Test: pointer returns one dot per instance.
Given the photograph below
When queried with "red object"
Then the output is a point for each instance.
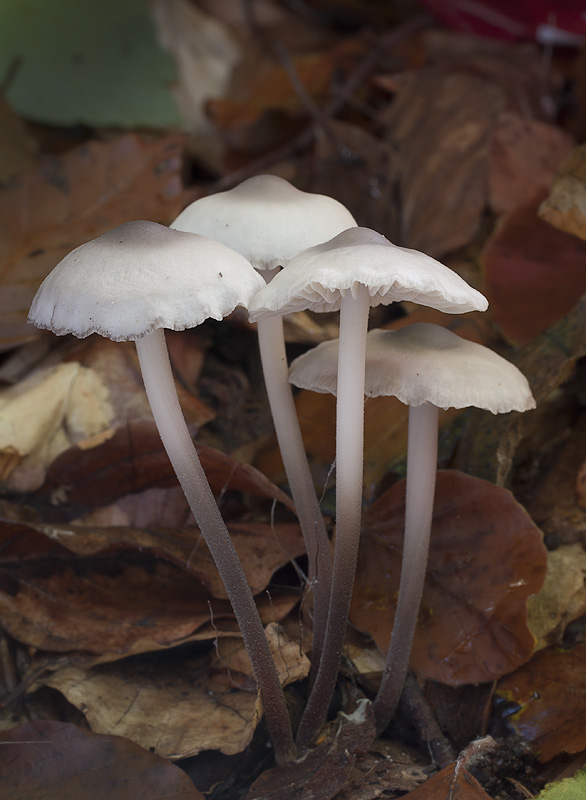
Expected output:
(561, 22)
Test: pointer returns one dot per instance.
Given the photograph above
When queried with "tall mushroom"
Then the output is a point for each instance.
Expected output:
(269, 221)
(357, 269)
(130, 284)
(427, 367)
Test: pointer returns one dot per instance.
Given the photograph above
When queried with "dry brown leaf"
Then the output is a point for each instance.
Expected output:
(133, 459)
(562, 598)
(262, 548)
(67, 200)
(177, 709)
(550, 698)
(534, 273)
(553, 501)
(118, 603)
(205, 52)
(441, 125)
(43, 416)
(56, 760)
(452, 783)
(565, 208)
(525, 155)
(486, 558)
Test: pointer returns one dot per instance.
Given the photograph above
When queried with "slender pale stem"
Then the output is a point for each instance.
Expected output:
(160, 388)
(276, 375)
(349, 470)
(421, 475)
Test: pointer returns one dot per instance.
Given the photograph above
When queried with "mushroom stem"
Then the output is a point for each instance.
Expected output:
(271, 342)
(421, 475)
(354, 312)
(160, 388)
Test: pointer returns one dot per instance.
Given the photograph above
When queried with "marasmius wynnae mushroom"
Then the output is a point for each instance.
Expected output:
(130, 284)
(269, 221)
(427, 367)
(357, 269)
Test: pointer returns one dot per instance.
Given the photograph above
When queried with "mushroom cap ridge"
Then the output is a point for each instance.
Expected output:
(317, 278)
(423, 363)
(267, 219)
(139, 277)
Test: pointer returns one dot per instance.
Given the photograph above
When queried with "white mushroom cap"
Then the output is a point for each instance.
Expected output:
(423, 363)
(266, 219)
(140, 277)
(318, 277)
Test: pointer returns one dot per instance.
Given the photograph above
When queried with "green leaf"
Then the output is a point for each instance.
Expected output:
(568, 789)
(98, 64)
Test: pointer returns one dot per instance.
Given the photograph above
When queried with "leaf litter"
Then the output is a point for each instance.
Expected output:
(105, 586)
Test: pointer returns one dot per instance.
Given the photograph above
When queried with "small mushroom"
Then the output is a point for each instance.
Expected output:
(269, 221)
(130, 284)
(426, 367)
(357, 269)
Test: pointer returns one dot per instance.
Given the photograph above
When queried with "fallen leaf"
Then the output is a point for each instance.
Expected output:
(549, 697)
(262, 548)
(562, 598)
(103, 68)
(108, 607)
(525, 155)
(440, 125)
(568, 789)
(450, 784)
(488, 451)
(177, 708)
(133, 459)
(117, 365)
(565, 207)
(56, 760)
(67, 200)
(205, 52)
(533, 273)
(486, 558)
(43, 416)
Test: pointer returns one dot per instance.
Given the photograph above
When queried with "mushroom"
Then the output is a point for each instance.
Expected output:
(357, 269)
(130, 284)
(269, 221)
(427, 367)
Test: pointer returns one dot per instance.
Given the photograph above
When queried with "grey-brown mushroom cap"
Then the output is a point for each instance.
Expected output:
(423, 363)
(266, 219)
(317, 278)
(139, 277)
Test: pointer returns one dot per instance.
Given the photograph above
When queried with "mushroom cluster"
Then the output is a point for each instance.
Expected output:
(137, 280)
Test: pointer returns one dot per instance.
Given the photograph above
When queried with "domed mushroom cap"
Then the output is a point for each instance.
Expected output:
(266, 219)
(140, 277)
(318, 277)
(423, 363)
